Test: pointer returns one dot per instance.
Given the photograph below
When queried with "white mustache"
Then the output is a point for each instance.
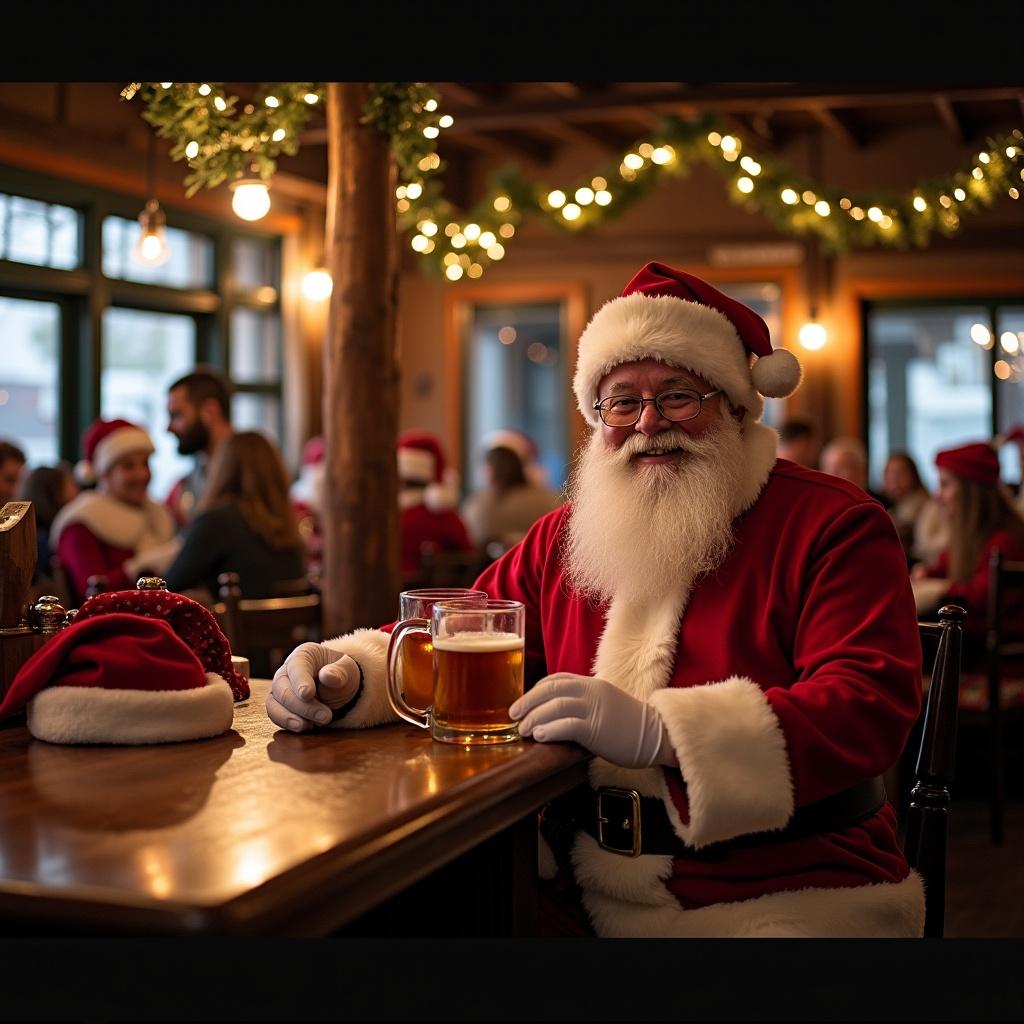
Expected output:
(636, 444)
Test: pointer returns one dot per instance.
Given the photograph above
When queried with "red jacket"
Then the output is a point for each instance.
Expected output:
(418, 526)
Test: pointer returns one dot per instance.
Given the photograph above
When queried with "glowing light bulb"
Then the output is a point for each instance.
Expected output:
(419, 243)
(919, 204)
(446, 121)
(812, 336)
(429, 228)
(279, 135)
(602, 197)
(745, 184)
(166, 85)
(507, 230)
(250, 199)
(714, 138)
(570, 211)
(459, 241)
(472, 231)
(789, 197)
(728, 144)
(645, 149)
(661, 155)
(496, 251)
(809, 197)
(414, 190)
(431, 132)
(475, 270)
(634, 161)
(430, 105)
(584, 195)
(980, 335)
(204, 90)
(151, 248)
(272, 101)
(750, 166)
(983, 158)
(487, 239)
(821, 208)
(598, 184)
(959, 194)
(1010, 342)
(317, 285)
(454, 272)
(945, 201)
(857, 213)
(311, 97)
(875, 214)
(218, 102)
(502, 203)
(1002, 369)
(977, 174)
(556, 198)
(192, 150)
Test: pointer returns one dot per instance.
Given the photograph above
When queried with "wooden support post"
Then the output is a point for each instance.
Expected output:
(361, 376)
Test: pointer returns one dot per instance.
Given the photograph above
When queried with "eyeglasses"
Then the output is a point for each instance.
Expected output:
(675, 406)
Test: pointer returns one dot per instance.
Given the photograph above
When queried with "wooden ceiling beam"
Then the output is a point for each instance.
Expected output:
(841, 125)
(517, 145)
(951, 119)
(766, 97)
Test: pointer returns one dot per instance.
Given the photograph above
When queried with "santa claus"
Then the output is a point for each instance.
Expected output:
(732, 635)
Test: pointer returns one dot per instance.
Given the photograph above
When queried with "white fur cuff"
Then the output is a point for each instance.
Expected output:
(732, 754)
(369, 647)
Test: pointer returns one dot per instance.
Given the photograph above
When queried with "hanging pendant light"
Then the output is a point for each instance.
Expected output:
(151, 248)
(250, 197)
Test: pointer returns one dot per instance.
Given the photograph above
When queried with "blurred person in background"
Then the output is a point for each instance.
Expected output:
(199, 416)
(307, 494)
(427, 500)
(919, 520)
(509, 504)
(115, 530)
(798, 442)
(12, 465)
(245, 523)
(847, 458)
(49, 488)
(981, 517)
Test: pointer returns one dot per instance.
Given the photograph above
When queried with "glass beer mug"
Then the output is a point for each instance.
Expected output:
(416, 662)
(477, 670)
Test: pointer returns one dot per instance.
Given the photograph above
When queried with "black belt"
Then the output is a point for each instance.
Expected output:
(623, 821)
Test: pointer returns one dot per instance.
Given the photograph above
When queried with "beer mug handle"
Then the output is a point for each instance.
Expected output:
(395, 697)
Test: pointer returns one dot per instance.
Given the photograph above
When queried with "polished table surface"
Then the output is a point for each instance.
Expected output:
(257, 831)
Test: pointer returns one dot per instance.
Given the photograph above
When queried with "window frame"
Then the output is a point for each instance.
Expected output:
(84, 293)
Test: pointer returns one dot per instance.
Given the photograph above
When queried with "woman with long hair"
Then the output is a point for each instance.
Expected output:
(919, 520)
(245, 523)
(981, 517)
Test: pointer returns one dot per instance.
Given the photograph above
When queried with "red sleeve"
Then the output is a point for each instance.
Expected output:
(856, 656)
(973, 593)
(83, 555)
(939, 569)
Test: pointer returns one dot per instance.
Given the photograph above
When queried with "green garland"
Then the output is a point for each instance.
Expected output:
(222, 144)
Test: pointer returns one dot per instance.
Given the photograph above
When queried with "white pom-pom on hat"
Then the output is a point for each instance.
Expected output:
(777, 375)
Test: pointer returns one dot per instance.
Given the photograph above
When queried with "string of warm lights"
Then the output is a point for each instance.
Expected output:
(220, 144)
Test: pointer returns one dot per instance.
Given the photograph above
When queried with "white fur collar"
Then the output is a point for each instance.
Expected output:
(132, 527)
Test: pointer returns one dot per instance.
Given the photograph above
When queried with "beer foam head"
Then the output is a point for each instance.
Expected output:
(478, 642)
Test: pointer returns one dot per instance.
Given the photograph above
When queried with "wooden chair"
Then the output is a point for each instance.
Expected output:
(990, 696)
(265, 630)
(928, 815)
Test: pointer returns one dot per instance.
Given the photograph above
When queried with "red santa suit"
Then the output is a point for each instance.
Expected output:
(790, 674)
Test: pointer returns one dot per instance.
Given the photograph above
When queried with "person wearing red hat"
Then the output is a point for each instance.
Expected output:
(115, 530)
(427, 498)
(307, 495)
(981, 518)
(733, 636)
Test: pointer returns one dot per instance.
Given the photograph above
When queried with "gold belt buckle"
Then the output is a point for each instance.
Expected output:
(626, 818)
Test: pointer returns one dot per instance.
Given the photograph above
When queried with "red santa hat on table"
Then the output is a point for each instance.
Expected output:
(106, 441)
(977, 462)
(673, 316)
(421, 461)
(119, 678)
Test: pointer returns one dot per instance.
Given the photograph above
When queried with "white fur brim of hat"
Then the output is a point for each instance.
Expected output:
(97, 714)
(119, 444)
(684, 334)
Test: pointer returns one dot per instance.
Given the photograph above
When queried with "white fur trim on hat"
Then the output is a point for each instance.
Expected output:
(685, 334)
(96, 714)
(416, 464)
(369, 648)
(116, 445)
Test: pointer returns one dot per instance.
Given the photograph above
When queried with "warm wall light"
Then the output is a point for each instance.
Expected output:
(151, 248)
(813, 336)
(250, 198)
(317, 285)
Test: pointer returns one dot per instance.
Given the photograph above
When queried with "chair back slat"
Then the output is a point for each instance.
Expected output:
(928, 814)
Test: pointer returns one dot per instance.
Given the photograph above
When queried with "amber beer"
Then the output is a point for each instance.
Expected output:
(477, 676)
(477, 672)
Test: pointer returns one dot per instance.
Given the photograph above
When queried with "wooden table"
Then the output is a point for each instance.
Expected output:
(263, 832)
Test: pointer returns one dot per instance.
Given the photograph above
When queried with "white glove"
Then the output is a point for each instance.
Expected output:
(597, 715)
(311, 684)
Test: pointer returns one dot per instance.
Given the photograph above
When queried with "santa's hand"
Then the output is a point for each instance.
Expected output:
(312, 683)
(597, 715)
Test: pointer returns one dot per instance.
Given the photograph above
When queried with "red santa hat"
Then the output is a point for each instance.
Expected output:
(313, 451)
(673, 316)
(421, 461)
(977, 462)
(106, 441)
(119, 678)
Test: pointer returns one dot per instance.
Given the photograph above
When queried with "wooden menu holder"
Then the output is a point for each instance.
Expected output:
(19, 639)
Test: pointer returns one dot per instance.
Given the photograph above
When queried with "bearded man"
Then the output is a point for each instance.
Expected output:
(731, 635)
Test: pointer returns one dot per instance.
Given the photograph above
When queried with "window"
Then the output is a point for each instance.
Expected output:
(514, 380)
(143, 353)
(190, 264)
(43, 234)
(765, 299)
(155, 325)
(941, 375)
(29, 373)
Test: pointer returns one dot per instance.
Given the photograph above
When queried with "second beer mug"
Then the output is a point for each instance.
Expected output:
(477, 671)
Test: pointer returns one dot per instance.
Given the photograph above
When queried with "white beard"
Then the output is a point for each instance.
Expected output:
(637, 531)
